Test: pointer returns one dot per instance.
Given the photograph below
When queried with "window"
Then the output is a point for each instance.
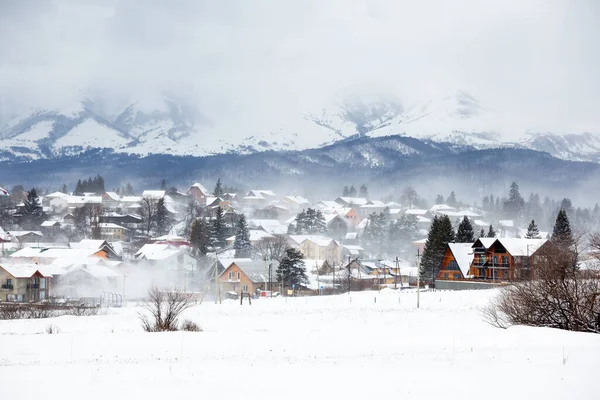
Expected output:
(445, 276)
(245, 288)
(495, 261)
(453, 265)
(504, 260)
(230, 275)
(239, 276)
(456, 276)
(42, 283)
(9, 282)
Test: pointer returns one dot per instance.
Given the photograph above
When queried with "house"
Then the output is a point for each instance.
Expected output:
(198, 193)
(505, 258)
(167, 256)
(256, 235)
(153, 194)
(111, 201)
(23, 283)
(47, 255)
(50, 228)
(456, 262)
(296, 203)
(318, 248)
(248, 276)
(75, 202)
(351, 238)
(272, 226)
(129, 221)
(26, 236)
(110, 250)
(112, 232)
(336, 225)
(259, 197)
(370, 207)
(83, 278)
(350, 215)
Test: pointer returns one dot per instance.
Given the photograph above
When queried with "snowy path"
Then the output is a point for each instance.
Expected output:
(299, 348)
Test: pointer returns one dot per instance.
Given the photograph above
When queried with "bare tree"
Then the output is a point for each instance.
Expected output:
(164, 307)
(560, 296)
(271, 248)
(149, 209)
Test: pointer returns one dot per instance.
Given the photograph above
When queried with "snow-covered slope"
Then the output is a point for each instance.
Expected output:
(171, 127)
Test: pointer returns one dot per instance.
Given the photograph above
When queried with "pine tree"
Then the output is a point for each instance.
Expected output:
(363, 191)
(439, 199)
(63, 189)
(515, 204)
(162, 218)
(561, 234)
(33, 213)
(163, 184)
(352, 191)
(218, 231)
(310, 222)
(291, 271)
(491, 232)
(346, 191)
(451, 201)
(218, 190)
(532, 231)
(440, 234)
(375, 233)
(242, 245)
(129, 190)
(482, 233)
(199, 236)
(465, 233)
(78, 188)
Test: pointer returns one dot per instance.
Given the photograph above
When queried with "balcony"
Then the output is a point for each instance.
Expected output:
(7, 286)
(33, 286)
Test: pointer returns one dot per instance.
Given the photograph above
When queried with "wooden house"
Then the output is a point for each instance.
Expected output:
(247, 276)
(456, 262)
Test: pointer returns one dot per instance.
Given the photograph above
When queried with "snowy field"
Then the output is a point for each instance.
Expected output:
(299, 348)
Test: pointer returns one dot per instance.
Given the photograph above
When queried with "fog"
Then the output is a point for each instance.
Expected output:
(535, 61)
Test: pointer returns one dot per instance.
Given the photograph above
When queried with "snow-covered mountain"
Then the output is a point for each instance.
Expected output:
(172, 127)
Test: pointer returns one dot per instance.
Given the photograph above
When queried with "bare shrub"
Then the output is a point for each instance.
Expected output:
(83, 311)
(560, 296)
(190, 326)
(52, 329)
(163, 308)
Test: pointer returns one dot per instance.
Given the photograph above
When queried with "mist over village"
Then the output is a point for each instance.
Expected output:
(358, 199)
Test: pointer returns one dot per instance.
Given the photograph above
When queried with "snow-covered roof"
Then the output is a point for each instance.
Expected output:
(84, 199)
(353, 250)
(297, 200)
(486, 242)
(272, 226)
(255, 235)
(23, 233)
(260, 192)
(321, 241)
(131, 199)
(463, 254)
(521, 247)
(3, 192)
(374, 204)
(46, 224)
(157, 251)
(38, 252)
(416, 211)
(359, 201)
(481, 223)
(328, 204)
(351, 235)
(113, 196)
(110, 225)
(22, 270)
(199, 186)
(256, 271)
(441, 207)
(154, 194)
(57, 195)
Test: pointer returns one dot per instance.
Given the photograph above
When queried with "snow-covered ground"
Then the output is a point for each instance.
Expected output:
(367, 345)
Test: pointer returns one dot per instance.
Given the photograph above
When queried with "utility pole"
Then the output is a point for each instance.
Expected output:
(397, 273)
(418, 277)
(318, 282)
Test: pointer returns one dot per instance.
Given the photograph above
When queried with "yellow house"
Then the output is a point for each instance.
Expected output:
(23, 283)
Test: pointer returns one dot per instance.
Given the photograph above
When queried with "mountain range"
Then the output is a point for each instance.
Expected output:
(175, 128)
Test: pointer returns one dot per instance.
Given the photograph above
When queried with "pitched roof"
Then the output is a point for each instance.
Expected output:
(113, 196)
(22, 270)
(256, 271)
(154, 194)
(463, 254)
(199, 186)
(46, 224)
(359, 201)
(521, 247)
(296, 199)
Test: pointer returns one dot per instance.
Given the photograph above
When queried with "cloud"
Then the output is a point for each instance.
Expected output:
(535, 60)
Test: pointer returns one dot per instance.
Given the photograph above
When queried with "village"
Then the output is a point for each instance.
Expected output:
(107, 247)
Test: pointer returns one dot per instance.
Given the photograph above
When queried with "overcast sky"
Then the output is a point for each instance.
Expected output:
(538, 60)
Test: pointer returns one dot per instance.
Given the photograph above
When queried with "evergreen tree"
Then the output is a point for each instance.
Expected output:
(440, 234)
(199, 236)
(561, 234)
(63, 189)
(218, 230)
(78, 188)
(310, 222)
(515, 204)
(491, 232)
(532, 231)
(33, 213)
(439, 199)
(242, 245)
(566, 205)
(363, 191)
(163, 184)
(451, 200)
(465, 233)
(162, 218)
(291, 271)
(346, 191)
(218, 190)
(482, 233)
(352, 191)
(375, 233)
(129, 190)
